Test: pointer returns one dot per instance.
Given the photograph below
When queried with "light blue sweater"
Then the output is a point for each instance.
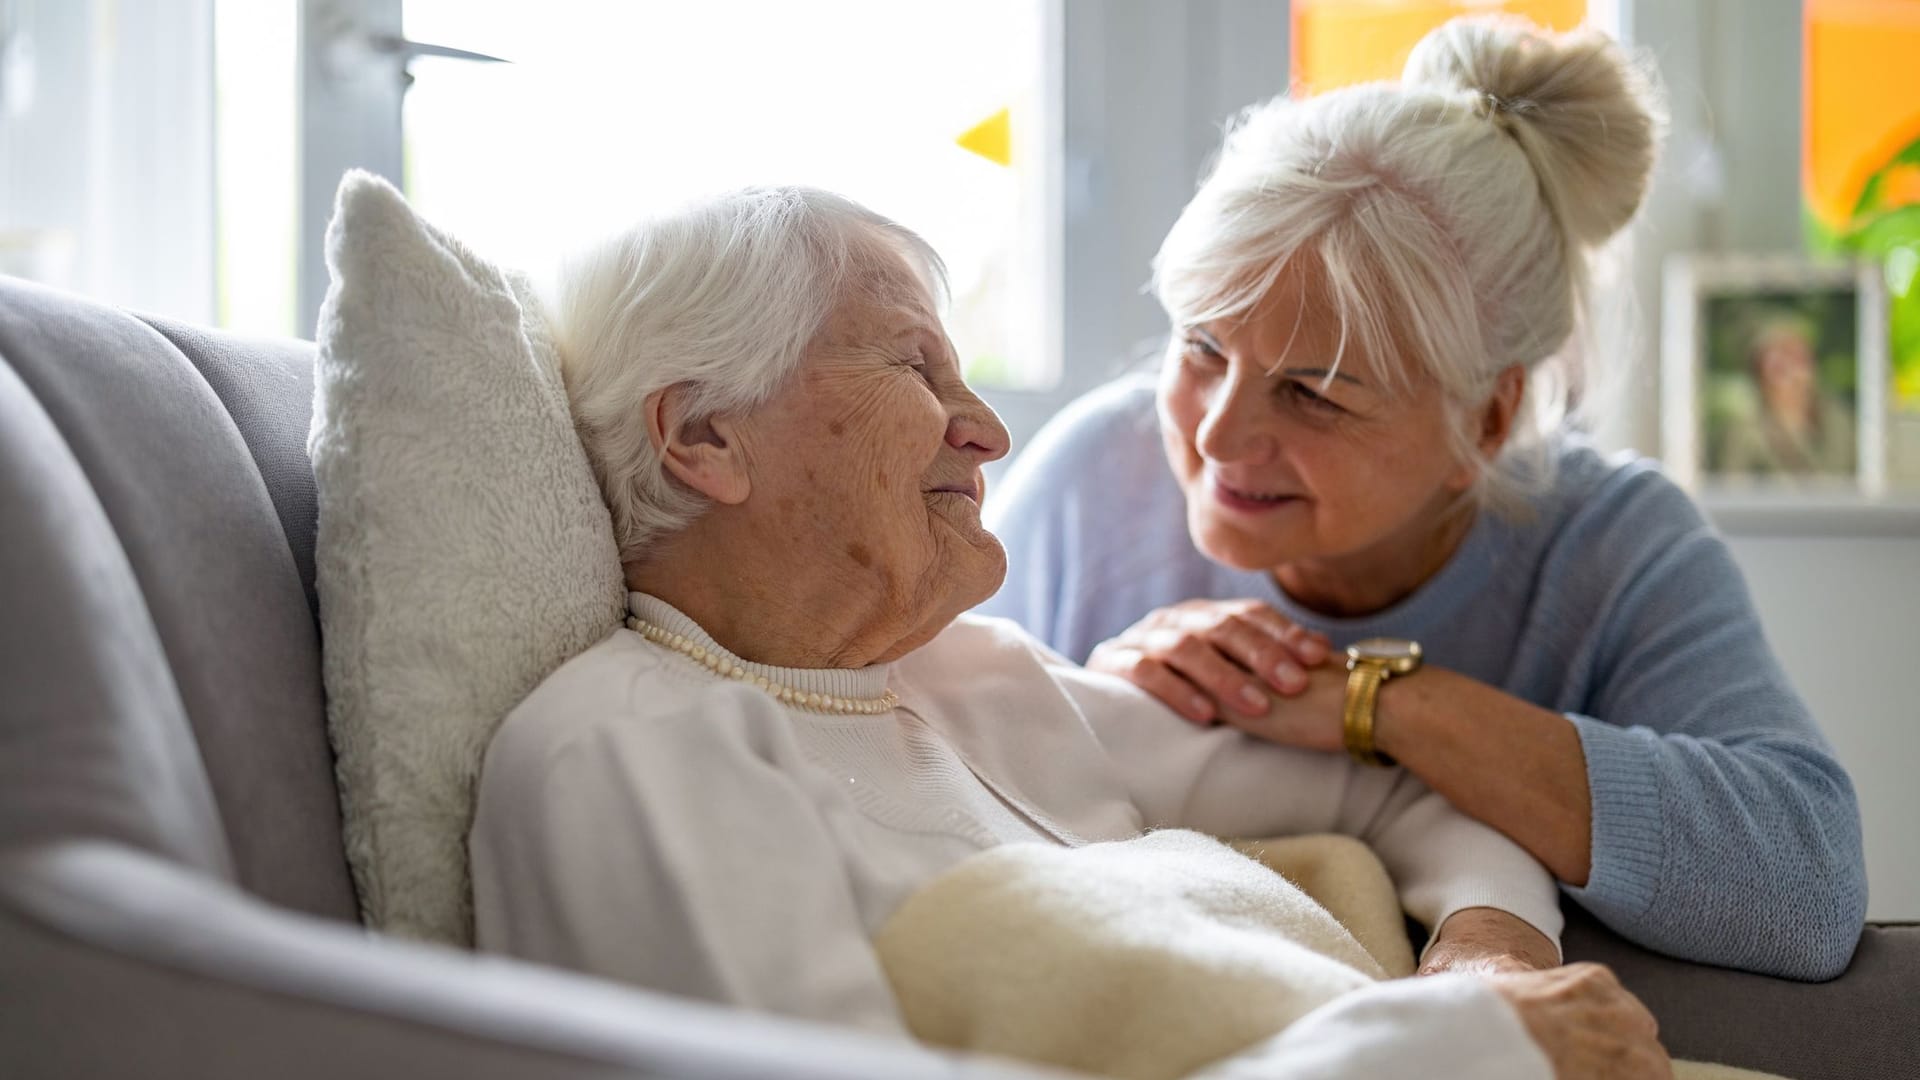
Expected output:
(1723, 829)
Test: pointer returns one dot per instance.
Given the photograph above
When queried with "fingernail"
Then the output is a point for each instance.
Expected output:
(1288, 676)
(1255, 701)
(1200, 710)
(1313, 650)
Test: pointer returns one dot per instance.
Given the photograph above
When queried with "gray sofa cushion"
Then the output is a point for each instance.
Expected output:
(201, 982)
(93, 739)
(208, 552)
(267, 386)
(1865, 1025)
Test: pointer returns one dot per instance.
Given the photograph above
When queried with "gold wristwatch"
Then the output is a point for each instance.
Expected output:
(1370, 663)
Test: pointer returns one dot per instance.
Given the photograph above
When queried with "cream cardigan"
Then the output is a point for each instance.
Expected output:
(644, 819)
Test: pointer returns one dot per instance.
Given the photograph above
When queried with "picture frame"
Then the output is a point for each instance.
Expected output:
(1774, 375)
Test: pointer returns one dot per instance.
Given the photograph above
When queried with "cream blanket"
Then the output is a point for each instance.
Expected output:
(1145, 959)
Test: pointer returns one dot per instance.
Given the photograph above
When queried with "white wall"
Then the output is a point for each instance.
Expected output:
(1841, 613)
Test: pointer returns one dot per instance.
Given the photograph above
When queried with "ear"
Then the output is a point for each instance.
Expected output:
(1497, 416)
(1494, 422)
(702, 452)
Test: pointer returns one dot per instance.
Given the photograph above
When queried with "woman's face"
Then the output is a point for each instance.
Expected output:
(869, 462)
(1783, 363)
(1281, 466)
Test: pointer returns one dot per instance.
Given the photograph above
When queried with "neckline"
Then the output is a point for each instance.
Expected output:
(857, 683)
(1464, 573)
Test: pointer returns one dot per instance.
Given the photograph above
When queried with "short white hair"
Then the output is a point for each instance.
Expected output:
(723, 295)
(1450, 217)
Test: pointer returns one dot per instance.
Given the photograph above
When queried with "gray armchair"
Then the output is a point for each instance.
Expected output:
(174, 899)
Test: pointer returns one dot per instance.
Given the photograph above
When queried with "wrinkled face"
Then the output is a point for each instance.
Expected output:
(870, 458)
(1281, 466)
(1784, 362)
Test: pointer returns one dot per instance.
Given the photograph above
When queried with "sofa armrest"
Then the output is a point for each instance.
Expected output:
(1863, 1025)
(119, 963)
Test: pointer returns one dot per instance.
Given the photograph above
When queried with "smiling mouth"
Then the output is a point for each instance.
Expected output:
(1252, 501)
(968, 490)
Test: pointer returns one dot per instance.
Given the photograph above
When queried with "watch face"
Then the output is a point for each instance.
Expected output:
(1397, 653)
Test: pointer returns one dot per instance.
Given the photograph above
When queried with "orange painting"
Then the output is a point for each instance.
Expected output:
(1862, 103)
(1341, 42)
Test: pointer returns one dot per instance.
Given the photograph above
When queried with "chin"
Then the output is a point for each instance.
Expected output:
(1237, 549)
(992, 572)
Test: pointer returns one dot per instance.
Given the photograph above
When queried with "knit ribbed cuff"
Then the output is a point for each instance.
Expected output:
(1629, 845)
(1541, 913)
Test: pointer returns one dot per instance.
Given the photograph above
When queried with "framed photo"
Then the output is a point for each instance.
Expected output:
(1774, 375)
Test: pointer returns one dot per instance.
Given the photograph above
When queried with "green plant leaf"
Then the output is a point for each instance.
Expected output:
(1870, 194)
(1880, 234)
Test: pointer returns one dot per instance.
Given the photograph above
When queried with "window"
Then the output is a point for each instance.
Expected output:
(927, 113)
(1340, 42)
(1861, 175)
(256, 222)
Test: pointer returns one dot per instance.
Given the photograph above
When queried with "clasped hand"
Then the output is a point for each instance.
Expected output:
(1238, 662)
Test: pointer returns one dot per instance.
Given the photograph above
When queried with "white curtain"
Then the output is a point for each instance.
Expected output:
(106, 150)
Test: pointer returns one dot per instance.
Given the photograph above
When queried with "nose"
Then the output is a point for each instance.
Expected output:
(1237, 425)
(974, 429)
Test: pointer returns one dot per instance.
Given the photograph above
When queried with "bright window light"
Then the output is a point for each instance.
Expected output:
(930, 114)
(256, 174)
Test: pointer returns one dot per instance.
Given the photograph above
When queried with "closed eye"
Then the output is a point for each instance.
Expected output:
(1295, 390)
(1199, 352)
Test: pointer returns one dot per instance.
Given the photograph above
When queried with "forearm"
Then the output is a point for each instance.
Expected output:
(1508, 763)
(1740, 853)
(1445, 865)
(1485, 941)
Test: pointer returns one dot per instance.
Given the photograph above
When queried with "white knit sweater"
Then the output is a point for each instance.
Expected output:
(644, 819)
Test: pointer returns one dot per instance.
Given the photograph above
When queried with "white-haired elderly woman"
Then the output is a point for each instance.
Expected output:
(799, 727)
(1358, 443)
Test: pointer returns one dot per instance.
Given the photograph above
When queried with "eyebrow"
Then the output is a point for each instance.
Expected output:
(1322, 374)
(1212, 342)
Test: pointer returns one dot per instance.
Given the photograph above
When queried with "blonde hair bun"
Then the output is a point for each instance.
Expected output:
(1587, 116)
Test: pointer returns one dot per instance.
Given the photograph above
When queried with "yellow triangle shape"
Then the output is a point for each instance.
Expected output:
(991, 138)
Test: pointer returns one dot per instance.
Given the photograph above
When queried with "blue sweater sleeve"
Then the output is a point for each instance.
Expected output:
(1724, 830)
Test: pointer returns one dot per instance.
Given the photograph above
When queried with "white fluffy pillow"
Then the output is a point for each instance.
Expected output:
(464, 551)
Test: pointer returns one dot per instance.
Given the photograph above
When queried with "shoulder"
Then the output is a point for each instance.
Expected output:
(1111, 430)
(976, 648)
(1119, 412)
(1612, 504)
(1614, 528)
(983, 662)
(621, 703)
(979, 656)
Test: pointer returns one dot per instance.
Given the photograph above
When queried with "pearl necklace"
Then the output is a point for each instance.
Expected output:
(725, 667)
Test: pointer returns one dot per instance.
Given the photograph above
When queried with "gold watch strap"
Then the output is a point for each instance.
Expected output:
(1363, 691)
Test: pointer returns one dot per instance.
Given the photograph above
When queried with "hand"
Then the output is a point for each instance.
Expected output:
(1587, 1023)
(1488, 941)
(1214, 659)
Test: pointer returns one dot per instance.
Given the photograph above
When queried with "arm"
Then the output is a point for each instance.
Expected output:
(675, 855)
(1457, 734)
(1217, 781)
(1698, 810)
(1690, 802)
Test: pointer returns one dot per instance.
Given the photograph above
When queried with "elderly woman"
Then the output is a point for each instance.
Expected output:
(798, 728)
(1358, 440)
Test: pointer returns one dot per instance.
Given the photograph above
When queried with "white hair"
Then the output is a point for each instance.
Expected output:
(1450, 217)
(723, 295)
